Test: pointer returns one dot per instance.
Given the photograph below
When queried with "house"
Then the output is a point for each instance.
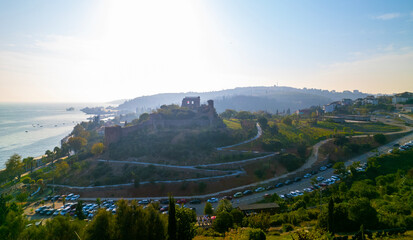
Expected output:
(402, 97)
(330, 107)
(370, 100)
(259, 207)
(302, 112)
(346, 102)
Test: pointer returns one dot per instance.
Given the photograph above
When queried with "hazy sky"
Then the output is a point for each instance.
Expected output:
(82, 50)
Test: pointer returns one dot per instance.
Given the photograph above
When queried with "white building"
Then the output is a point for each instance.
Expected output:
(329, 107)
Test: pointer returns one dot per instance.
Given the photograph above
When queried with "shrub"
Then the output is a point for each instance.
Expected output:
(380, 138)
(26, 180)
(286, 227)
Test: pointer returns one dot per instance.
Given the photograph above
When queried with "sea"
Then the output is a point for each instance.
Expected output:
(31, 129)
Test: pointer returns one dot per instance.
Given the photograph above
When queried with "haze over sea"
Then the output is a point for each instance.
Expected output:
(46, 124)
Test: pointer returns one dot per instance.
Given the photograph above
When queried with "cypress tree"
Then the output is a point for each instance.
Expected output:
(330, 222)
(171, 219)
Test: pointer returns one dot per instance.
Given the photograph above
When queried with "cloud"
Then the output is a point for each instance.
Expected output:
(388, 16)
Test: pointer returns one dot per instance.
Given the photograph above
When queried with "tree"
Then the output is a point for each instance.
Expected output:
(237, 216)
(208, 209)
(361, 212)
(273, 129)
(224, 205)
(28, 163)
(14, 166)
(186, 219)
(13, 226)
(155, 224)
(63, 228)
(172, 219)
(223, 222)
(97, 148)
(330, 220)
(229, 113)
(287, 121)
(79, 211)
(102, 227)
(57, 151)
(340, 169)
(263, 121)
(380, 138)
(261, 221)
(79, 131)
(76, 143)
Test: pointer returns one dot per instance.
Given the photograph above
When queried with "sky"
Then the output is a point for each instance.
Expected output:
(98, 51)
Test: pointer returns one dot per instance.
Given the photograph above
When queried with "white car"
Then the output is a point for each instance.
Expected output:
(307, 190)
(319, 179)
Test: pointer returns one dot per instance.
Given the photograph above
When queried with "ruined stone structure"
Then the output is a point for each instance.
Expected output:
(192, 103)
(204, 116)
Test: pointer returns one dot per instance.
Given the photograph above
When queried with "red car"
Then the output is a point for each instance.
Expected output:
(182, 201)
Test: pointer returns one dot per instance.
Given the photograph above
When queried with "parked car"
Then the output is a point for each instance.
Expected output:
(323, 168)
(247, 192)
(260, 189)
(144, 202)
(314, 172)
(319, 179)
(212, 200)
(308, 175)
(288, 182)
(182, 201)
(40, 209)
(238, 195)
(269, 187)
(278, 185)
(227, 197)
(195, 201)
(297, 179)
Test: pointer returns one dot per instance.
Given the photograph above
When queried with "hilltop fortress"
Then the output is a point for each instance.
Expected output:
(201, 116)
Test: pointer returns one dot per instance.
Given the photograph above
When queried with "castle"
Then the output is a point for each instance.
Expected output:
(203, 116)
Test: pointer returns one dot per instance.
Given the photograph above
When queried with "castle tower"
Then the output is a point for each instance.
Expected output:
(192, 103)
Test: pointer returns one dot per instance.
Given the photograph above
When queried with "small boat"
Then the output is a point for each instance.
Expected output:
(27, 131)
(70, 109)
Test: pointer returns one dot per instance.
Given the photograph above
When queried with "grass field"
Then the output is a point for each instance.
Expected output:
(233, 123)
(359, 126)
(289, 235)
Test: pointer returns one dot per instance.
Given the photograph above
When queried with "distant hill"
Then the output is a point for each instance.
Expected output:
(268, 99)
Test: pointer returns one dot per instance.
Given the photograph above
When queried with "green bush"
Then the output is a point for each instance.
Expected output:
(286, 227)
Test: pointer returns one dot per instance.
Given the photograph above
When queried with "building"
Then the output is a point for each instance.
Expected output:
(346, 102)
(329, 108)
(370, 100)
(259, 207)
(303, 112)
(192, 103)
(204, 115)
(402, 97)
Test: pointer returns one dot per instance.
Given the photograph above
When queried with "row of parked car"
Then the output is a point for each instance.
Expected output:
(63, 210)
(280, 184)
(89, 209)
(403, 147)
(69, 197)
(321, 183)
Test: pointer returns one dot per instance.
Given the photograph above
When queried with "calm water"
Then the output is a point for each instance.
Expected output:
(46, 125)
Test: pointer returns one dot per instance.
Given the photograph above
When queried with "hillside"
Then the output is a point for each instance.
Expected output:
(248, 98)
